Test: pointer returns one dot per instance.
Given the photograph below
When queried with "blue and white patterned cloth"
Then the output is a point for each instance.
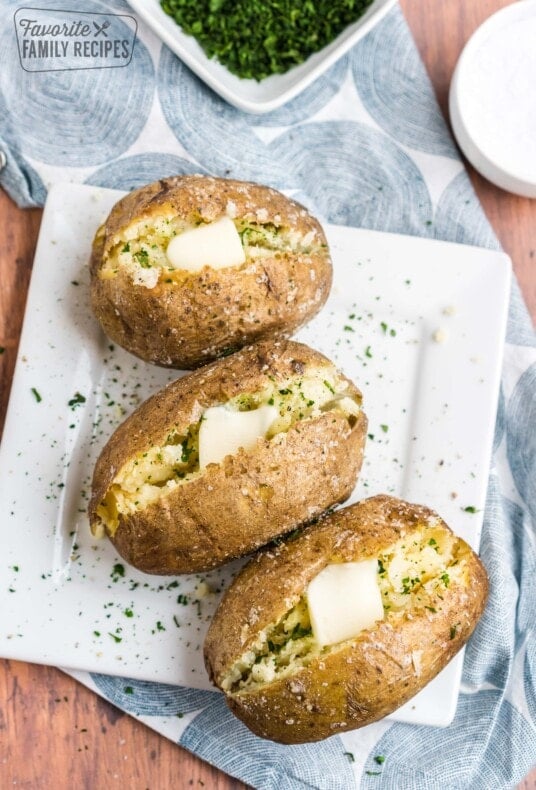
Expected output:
(365, 145)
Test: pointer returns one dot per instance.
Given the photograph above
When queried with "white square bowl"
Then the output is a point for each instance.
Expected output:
(250, 95)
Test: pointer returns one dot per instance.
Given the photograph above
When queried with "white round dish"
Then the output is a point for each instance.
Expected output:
(492, 99)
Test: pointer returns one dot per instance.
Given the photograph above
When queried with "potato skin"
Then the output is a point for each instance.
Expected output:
(223, 514)
(367, 679)
(187, 324)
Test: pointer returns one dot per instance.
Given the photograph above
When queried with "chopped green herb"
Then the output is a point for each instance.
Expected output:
(348, 328)
(470, 509)
(329, 387)
(126, 248)
(350, 756)
(381, 568)
(385, 329)
(431, 609)
(117, 571)
(128, 613)
(370, 436)
(76, 400)
(368, 352)
(128, 690)
(384, 428)
(36, 395)
(159, 626)
(432, 542)
(453, 630)
(408, 584)
(379, 759)
(254, 39)
(186, 451)
(445, 578)
(116, 638)
(96, 633)
(286, 391)
(299, 631)
(373, 773)
(142, 256)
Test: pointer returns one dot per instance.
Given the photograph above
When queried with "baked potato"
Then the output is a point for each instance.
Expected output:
(190, 268)
(229, 457)
(339, 626)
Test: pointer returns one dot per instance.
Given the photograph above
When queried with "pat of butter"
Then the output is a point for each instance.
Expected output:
(343, 599)
(223, 431)
(217, 245)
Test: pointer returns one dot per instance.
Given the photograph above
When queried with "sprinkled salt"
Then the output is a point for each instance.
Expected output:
(440, 336)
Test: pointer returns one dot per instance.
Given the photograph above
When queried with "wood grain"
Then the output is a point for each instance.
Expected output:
(57, 734)
(54, 733)
(18, 235)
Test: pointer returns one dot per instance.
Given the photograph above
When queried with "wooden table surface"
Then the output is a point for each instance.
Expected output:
(55, 733)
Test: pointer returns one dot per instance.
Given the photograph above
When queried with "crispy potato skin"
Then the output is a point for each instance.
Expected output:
(368, 678)
(223, 513)
(187, 324)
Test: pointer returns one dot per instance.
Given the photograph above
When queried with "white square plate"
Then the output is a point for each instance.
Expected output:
(250, 95)
(68, 599)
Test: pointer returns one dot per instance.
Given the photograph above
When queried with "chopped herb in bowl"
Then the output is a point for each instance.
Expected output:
(256, 38)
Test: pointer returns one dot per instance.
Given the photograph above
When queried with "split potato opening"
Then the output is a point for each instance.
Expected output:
(222, 430)
(406, 579)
